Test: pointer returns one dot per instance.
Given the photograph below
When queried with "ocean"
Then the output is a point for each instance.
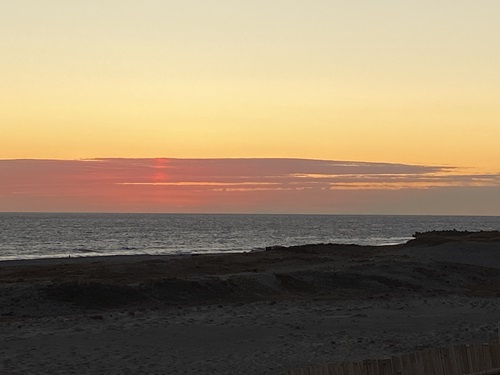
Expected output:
(50, 235)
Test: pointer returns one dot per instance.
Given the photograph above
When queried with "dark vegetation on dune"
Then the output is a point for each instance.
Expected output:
(380, 281)
(325, 271)
(444, 236)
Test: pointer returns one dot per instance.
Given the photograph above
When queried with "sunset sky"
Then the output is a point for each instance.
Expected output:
(250, 106)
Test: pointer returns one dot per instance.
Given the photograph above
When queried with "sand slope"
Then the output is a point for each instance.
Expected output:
(254, 313)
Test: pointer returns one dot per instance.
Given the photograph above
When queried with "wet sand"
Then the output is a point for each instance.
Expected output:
(252, 313)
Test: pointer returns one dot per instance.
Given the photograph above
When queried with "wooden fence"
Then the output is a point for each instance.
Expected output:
(477, 359)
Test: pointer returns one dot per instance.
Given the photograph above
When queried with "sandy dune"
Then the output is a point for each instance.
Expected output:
(254, 313)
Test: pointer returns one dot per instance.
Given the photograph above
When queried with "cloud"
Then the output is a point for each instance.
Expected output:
(204, 185)
(288, 173)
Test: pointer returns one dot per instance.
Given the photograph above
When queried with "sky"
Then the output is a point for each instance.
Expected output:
(250, 86)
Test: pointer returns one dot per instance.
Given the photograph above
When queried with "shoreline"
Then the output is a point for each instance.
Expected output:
(71, 257)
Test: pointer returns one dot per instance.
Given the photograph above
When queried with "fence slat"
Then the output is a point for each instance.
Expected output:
(495, 354)
(356, 369)
(397, 365)
(456, 361)
(324, 369)
(342, 369)
(337, 369)
(420, 363)
(471, 358)
(371, 367)
(479, 357)
(434, 360)
(486, 353)
(446, 361)
(415, 365)
(385, 366)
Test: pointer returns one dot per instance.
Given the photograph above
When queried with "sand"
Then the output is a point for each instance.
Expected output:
(254, 313)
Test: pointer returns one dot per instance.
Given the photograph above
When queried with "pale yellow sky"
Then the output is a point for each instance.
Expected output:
(394, 81)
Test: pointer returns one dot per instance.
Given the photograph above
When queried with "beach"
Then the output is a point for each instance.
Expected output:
(250, 313)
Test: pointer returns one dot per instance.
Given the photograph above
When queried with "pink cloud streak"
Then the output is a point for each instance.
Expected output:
(224, 185)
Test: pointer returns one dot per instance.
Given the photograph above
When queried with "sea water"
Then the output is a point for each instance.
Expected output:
(49, 235)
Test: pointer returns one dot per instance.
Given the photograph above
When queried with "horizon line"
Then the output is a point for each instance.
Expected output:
(232, 213)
